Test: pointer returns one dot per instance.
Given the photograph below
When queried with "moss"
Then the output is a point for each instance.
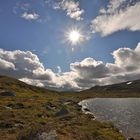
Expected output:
(35, 117)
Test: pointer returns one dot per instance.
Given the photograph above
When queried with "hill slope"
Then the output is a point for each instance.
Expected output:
(130, 86)
(34, 111)
(12, 84)
(121, 90)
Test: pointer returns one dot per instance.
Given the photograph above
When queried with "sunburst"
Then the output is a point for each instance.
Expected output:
(74, 36)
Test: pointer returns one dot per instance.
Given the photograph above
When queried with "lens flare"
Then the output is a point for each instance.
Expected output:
(74, 36)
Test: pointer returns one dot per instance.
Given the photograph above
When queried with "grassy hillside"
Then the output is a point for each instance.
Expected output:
(121, 90)
(130, 86)
(34, 110)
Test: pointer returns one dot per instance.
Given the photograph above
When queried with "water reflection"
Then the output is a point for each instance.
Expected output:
(123, 112)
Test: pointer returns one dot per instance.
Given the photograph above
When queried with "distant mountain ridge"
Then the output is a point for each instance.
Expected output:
(12, 84)
(8, 83)
(129, 86)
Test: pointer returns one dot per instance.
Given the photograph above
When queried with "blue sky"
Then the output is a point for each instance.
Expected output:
(40, 26)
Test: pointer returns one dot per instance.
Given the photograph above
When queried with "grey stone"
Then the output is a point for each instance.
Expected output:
(11, 94)
(16, 106)
(62, 112)
(52, 135)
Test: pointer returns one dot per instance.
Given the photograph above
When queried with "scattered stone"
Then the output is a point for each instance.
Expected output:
(66, 102)
(66, 118)
(50, 106)
(62, 112)
(52, 135)
(78, 107)
(34, 98)
(16, 106)
(5, 107)
(4, 125)
(86, 109)
(91, 116)
(38, 135)
(11, 94)
(42, 115)
(19, 125)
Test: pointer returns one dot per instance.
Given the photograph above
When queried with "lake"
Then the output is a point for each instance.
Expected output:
(123, 112)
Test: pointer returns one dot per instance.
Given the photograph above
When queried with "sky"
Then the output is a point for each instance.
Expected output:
(70, 44)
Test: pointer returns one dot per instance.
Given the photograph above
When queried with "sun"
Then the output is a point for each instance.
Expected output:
(74, 37)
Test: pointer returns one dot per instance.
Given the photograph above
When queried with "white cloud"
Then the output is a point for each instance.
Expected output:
(119, 15)
(71, 7)
(30, 16)
(125, 67)
(90, 68)
(6, 65)
(26, 66)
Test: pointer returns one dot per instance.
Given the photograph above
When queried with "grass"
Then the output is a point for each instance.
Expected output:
(34, 117)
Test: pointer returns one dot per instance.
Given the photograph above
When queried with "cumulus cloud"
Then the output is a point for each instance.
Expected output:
(90, 68)
(125, 67)
(26, 66)
(119, 15)
(71, 7)
(30, 16)
(6, 65)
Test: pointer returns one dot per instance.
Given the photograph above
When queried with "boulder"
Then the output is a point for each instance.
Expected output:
(52, 135)
(62, 112)
(66, 102)
(16, 106)
(50, 106)
(78, 107)
(4, 125)
(86, 109)
(11, 94)
(39, 135)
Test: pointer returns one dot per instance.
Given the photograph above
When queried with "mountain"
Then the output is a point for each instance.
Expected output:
(12, 84)
(121, 90)
(129, 86)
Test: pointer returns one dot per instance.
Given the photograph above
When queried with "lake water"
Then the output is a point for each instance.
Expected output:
(123, 112)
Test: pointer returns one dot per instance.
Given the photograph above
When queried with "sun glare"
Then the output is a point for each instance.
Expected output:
(74, 37)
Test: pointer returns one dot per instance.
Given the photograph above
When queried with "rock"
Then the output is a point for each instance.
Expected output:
(66, 118)
(52, 135)
(42, 115)
(11, 94)
(130, 139)
(66, 102)
(6, 107)
(4, 125)
(91, 116)
(39, 135)
(19, 125)
(62, 112)
(50, 106)
(16, 106)
(78, 107)
(86, 109)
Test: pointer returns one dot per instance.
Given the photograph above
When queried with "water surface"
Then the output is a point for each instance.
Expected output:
(123, 112)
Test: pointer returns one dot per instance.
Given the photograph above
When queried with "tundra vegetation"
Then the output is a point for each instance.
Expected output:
(33, 112)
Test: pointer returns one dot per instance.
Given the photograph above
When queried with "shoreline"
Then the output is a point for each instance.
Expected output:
(86, 110)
